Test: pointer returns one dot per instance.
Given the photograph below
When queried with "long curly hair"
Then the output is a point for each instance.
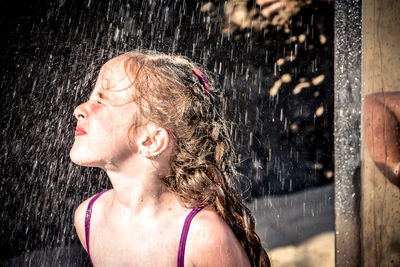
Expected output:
(168, 93)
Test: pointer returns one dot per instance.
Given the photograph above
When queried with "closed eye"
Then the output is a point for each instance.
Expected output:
(96, 101)
(98, 98)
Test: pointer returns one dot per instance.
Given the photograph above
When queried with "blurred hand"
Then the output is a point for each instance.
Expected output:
(381, 132)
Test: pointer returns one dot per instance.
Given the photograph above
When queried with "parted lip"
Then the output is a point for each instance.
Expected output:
(79, 131)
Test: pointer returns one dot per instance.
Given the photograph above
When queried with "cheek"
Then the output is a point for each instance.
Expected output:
(95, 109)
(118, 131)
(124, 121)
(111, 126)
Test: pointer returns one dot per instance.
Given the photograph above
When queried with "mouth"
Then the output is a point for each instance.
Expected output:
(79, 131)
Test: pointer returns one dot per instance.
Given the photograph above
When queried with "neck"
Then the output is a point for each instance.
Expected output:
(138, 188)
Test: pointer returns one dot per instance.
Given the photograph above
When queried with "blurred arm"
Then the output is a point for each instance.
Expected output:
(381, 129)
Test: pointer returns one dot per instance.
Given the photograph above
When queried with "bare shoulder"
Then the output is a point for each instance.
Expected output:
(79, 218)
(211, 242)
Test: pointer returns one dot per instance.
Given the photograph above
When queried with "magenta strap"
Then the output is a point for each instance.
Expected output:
(87, 220)
(185, 230)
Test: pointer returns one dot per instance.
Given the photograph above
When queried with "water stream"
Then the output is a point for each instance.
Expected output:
(278, 84)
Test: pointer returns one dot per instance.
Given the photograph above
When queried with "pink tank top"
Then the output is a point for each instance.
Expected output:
(182, 243)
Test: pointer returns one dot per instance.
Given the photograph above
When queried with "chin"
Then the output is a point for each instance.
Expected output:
(76, 158)
(81, 158)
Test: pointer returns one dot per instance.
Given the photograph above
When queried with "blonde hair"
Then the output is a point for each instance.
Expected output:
(168, 93)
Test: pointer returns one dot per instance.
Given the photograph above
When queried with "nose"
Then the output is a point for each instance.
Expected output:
(80, 112)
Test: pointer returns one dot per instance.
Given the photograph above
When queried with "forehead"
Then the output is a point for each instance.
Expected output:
(113, 70)
(113, 82)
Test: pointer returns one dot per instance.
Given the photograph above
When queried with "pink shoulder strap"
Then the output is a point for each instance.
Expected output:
(87, 220)
(185, 230)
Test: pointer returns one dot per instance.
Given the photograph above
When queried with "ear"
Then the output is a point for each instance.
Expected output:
(154, 141)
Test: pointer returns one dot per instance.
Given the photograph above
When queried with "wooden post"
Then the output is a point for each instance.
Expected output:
(380, 202)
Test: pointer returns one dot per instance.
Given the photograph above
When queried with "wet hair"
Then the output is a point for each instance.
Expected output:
(169, 93)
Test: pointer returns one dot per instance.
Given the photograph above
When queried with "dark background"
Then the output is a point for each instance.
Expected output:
(51, 52)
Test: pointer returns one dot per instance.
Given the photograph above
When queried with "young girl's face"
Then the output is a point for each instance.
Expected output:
(101, 136)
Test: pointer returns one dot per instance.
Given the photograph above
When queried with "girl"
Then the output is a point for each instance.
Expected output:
(153, 123)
